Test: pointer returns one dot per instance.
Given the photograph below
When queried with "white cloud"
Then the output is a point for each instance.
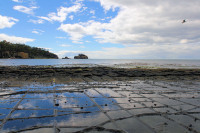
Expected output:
(184, 41)
(44, 18)
(84, 8)
(37, 31)
(92, 12)
(71, 17)
(18, 1)
(39, 21)
(14, 39)
(142, 52)
(142, 21)
(62, 13)
(61, 37)
(7, 22)
(146, 29)
(65, 45)
(27, 10)
(78, 31)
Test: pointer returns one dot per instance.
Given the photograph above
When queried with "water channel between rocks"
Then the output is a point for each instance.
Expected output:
(139, 106)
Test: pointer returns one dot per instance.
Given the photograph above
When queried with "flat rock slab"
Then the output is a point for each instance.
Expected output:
(109, 107)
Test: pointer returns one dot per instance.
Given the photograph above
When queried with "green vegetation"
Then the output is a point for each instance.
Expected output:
(10, 50)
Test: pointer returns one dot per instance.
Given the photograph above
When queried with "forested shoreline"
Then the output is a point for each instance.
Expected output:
(22, 51)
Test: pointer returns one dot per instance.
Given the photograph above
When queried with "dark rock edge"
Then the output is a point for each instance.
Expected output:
(105, 73)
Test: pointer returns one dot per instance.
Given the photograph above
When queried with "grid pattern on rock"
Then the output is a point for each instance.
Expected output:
(133, 106)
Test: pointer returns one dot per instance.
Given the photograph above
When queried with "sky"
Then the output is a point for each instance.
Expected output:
(105, 29)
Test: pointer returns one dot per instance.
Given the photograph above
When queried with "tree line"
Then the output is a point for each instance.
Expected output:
(10, 50)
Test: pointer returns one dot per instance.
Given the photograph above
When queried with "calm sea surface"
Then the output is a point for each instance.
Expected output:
(121, 63)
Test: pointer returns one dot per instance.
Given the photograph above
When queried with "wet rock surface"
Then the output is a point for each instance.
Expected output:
(97, 73)
(107, 107)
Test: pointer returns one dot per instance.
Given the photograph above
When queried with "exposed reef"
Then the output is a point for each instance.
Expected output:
(106, 73)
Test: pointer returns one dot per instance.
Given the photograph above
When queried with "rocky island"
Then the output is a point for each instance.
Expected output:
(22, 51)
(66, 57)
(81, 56)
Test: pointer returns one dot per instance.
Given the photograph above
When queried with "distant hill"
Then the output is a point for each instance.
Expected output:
(10, 50)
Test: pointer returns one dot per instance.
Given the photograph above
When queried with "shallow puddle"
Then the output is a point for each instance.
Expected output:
(106, 107)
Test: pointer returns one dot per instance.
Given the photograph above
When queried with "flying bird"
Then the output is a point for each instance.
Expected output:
(183, 21)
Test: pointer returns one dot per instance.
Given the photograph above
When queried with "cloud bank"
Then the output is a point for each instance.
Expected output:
(62, 13)
(24, 9)
(7, 22)
(14, 39)
(141, 21)
(145, 29)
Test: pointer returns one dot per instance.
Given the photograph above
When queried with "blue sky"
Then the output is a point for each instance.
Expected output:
(105, 29)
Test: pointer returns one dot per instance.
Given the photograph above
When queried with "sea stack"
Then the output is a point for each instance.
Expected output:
(81, 56)
(66, 57)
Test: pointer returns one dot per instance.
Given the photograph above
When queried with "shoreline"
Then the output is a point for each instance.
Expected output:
(83, 95)
(80, 74)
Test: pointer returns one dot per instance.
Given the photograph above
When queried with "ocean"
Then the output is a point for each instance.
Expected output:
(119, 63)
